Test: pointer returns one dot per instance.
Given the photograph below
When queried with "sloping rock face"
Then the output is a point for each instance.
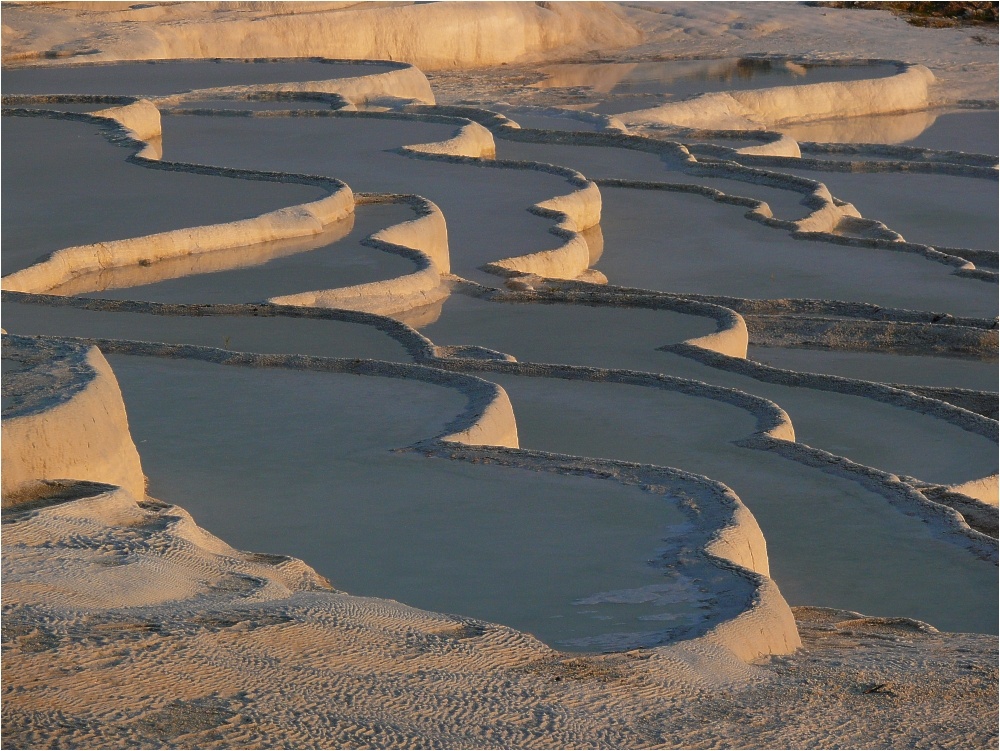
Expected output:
(432, 36)
(63, 417)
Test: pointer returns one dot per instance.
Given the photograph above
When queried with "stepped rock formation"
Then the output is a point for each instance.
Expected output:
(431, 36)
(614, 384)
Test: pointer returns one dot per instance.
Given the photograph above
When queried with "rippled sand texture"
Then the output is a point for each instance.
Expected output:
(653, 373)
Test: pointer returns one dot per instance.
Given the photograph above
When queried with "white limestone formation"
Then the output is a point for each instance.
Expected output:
(66, 420)
(906, 91)
(127, 624)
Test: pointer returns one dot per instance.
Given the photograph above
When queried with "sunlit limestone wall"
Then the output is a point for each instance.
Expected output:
(985, 489)
(783, 146)
(574, 212)
(581, 208)
(903, 92)
(427, 234)
(766, 626)
(732, 339)
(141, 119)
(432, 36)
(495, 425)
(472, 140)
(69, 422)
(425, 239)
(403, 82)
(64, 265)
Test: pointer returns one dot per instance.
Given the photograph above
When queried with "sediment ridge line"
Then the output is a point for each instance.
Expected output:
(486, 417)
(415, 343)
(898, 493)
(961, 418)
(793, 306)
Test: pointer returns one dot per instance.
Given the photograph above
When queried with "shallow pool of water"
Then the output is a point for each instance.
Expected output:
(830, 541)
(593, 161)
(974, 131)
(256, 273)
(274, 335)
(84, 107)
(890, 129)
(305, 467)
(971, 131)
(869, 432)
(559, 333)
(74, 187)
(547, 121)
(677, 242)
(486, 208)
(157, 78)
(884, 367)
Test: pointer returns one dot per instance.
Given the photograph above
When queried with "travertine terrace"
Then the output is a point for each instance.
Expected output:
(498, 375)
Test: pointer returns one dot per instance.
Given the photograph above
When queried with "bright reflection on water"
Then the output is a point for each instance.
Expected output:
(971, 131)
